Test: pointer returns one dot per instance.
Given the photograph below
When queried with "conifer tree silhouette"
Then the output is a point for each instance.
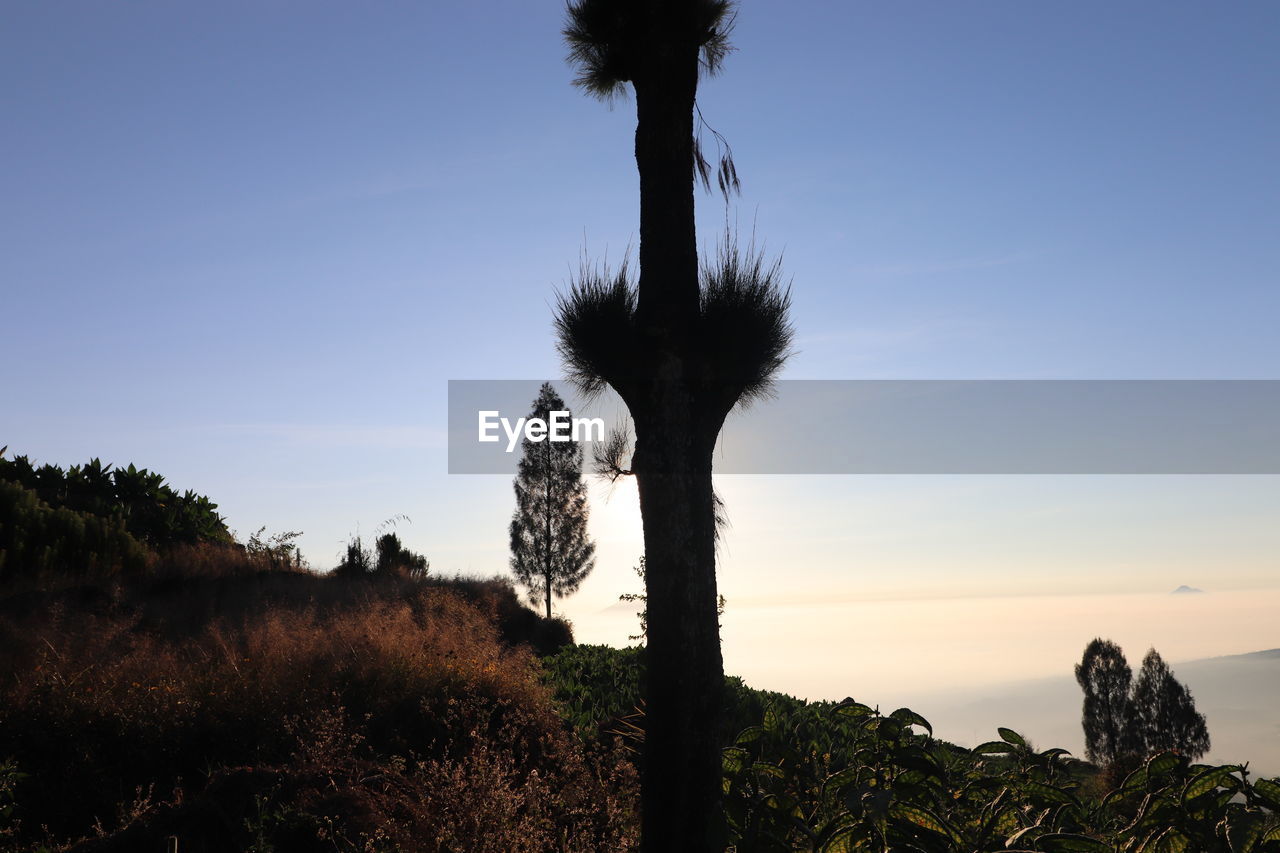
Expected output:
(551, 554)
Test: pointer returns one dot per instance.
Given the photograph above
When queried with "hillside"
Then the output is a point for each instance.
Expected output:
(285, 710)
(157, 682)
(289, 711)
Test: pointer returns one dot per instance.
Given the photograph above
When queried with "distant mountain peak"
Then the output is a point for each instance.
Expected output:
(1185, 589)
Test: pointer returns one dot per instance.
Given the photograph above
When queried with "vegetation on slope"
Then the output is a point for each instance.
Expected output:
(226, 695)
(842, 776)
(291, 711)
(140, 500)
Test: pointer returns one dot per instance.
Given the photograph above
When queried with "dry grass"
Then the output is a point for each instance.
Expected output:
(294, 713)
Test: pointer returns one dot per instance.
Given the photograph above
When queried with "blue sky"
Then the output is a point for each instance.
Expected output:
(246, 244)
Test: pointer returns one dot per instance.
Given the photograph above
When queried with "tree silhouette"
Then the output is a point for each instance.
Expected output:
(550, 551)
(395, 559)
(1128, 718)
(1105, 677)
(1163, 714)
(682, 347)
(358, 561)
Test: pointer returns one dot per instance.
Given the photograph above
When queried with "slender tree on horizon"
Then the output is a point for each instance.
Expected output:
(1127, 718)
(1163, 714)
(682, 346)
(1105, 677)
(550, 552)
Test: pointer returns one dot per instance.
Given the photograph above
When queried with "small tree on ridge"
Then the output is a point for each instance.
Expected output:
(550, 551)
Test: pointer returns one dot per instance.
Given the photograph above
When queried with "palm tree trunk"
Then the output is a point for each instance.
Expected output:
(680, 781)
(668, 286)
(682, 764)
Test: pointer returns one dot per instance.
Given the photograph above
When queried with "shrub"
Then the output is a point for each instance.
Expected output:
(37, 540)
(150, 509)
(382, 715)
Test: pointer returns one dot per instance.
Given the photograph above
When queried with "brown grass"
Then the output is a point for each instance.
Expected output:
(293, 712)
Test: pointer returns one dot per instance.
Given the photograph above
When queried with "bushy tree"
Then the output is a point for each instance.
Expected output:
(550, 552)
(1163, 714)
(1135, 718)
(394, 558)
(1105, 677)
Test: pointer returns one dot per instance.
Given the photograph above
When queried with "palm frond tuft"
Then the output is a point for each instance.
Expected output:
(606, 39)
(715, 20)
(596, 332)
(745, 331)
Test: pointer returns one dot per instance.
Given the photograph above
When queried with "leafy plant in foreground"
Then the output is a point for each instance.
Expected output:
(849, 778)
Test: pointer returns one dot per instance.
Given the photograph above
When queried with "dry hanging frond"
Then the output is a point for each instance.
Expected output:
(726, 172)
(612, 457)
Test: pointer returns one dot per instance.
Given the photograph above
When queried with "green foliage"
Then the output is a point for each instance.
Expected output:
(150, 510)
(9, 778)
(278, 552)
(596, 686)
(643, 600)
(600, 691)
(845, 777)
(38, 540)
(841, 777)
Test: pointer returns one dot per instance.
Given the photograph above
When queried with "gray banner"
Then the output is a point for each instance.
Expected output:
(932, 427)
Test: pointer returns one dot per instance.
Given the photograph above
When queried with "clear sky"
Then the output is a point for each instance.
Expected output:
(246, 244)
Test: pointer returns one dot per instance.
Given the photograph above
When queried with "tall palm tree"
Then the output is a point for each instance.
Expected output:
(682, 347)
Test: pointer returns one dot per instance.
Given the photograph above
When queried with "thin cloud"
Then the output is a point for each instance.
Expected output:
(914, 268)
(343, 436)
(866, 340)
